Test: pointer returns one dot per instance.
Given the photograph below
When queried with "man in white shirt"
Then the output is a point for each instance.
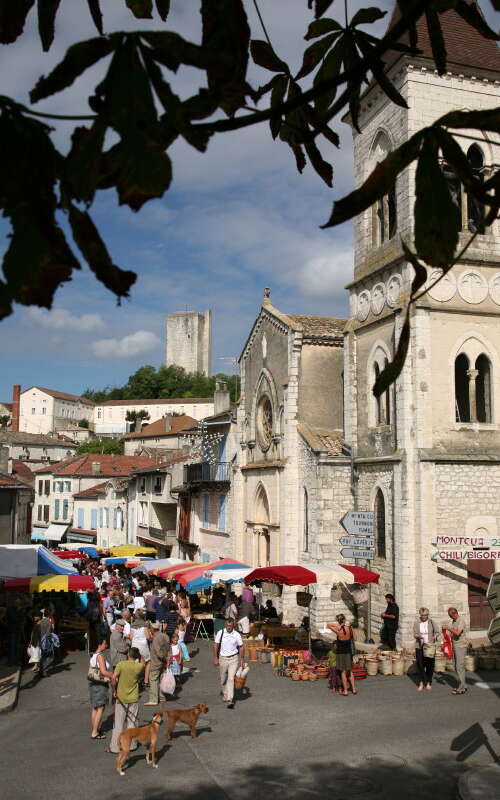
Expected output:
(228, 657)
(139, 602)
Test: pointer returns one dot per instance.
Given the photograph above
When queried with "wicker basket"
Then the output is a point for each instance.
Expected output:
(398, 666)
(385, 666)
(239, 682)
(371, 665)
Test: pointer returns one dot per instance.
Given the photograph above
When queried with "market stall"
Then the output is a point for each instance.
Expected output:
(125, 561)
(18, 560)
(132, 550)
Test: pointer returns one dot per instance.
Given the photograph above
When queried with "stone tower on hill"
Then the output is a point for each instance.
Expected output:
(189, 341)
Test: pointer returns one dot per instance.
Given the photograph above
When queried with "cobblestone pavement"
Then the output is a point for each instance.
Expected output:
(388, 742)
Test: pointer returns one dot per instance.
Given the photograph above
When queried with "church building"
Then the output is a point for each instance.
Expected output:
(425, 457)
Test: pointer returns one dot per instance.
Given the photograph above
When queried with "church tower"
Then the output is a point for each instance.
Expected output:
(427, 453)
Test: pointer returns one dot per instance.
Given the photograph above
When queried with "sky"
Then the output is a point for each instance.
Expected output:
(235, 220)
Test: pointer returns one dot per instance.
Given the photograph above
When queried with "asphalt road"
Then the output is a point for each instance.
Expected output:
(388, 742)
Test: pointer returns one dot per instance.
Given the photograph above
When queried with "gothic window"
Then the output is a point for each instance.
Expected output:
(379, 415)
(382, 403)
(475, 209)
(265, 421)
(455, 189)
(379, 519)
(483, 389)
(384, 211)
(387, 401)
(462, 404)
(306, 522)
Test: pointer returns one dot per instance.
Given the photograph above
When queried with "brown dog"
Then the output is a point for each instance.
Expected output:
(187, 715)
(146, 734)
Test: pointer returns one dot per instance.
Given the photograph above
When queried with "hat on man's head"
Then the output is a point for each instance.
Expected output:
(120, 623)
(156, 626)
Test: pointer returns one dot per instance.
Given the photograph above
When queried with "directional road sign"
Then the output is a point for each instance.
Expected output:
(494, 631)
(493, 592)
(358, 523)
(357, 541)
(348, 553)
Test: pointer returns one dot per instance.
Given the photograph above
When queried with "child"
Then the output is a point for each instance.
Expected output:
(175, 657)
(334, 681)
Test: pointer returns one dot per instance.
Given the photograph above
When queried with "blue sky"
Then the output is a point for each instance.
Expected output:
(236, 219)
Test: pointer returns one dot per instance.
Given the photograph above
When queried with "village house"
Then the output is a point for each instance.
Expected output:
(36, 450)
(162, 436)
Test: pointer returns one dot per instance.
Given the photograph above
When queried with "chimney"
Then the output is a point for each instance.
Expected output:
(96, 467)
(168, 423)
(16, 399)
(222, 398)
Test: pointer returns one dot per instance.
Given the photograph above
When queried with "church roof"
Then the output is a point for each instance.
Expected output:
(322, 440)
(464, 44)
(319, 326)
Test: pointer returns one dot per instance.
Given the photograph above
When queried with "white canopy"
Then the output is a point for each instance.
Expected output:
(55, 532)
(28, 560)
(330, 573)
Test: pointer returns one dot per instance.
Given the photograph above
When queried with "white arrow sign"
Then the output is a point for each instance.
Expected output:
(348, 553)
(358, 523)
(357, 541)
(493, 592)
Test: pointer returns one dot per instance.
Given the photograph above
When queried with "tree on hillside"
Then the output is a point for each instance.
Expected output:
(4, 420)
(136, 416)
(83, 423)
(135, 102)
(101, 446)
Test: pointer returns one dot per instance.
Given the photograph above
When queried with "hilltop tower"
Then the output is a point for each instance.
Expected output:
(189, 341)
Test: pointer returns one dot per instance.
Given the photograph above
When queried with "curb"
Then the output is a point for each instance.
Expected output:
(9, 701)
(478, 784)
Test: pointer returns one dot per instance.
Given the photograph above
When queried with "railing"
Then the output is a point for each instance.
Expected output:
(205, 472)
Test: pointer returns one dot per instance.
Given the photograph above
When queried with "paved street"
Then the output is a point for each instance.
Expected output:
(388, 742)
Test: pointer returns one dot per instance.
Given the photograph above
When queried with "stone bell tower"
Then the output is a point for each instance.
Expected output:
(427, 453)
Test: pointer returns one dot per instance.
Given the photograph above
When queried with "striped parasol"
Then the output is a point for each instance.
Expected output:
(51, 583)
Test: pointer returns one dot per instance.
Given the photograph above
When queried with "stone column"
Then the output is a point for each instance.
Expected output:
(472, 374)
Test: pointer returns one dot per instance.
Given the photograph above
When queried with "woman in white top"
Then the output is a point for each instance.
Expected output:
(99, 692)
(426, 633)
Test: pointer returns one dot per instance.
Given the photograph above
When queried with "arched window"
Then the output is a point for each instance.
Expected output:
(483, 389)
(384, 211)
(379, 519)
(475, 209)
(379, 416)
(462, 397)
(306, 522)
(387, 401)
(383, 401)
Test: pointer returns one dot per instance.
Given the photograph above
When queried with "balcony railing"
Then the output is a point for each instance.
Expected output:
(205, 472)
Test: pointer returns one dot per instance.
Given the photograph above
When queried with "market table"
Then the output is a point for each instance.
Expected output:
(272, 631)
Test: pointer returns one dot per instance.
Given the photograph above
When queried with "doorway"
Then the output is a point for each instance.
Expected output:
(478, 577)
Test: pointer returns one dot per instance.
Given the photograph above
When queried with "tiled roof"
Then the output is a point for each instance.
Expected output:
(60, 395)
(157, 429)
(111, 465)
(464, 44)
(164, 464)
(11, 482)
(6, 405)
(20, 437)
(158, 401)
(322, 440)
(94, 491)
(319, 326)
(23, 472)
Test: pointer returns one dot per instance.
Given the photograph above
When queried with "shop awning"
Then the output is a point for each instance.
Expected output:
(362, 575)
(131, 550)
(54, 533)
(19, 560)
(38, 535)
(292, 575)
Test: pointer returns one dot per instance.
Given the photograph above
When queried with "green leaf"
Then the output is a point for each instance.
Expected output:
(172, 50)
(487, 119)
(393, 370)
(322, 167)
(138, 171)
(438, 45)
(163, 8)
(321, 6)
(47, 10)
(82, 164)
(277, 96)
(226, 38)
(454, 155)
(142, 9)
(322, 26)
(471, 14)
(366, 16)
(12, 18)
(378, 183)
(437, 218)
(315, 53)
(96, 14)
(300, 158)
(78, 58)
(264, 56)
(329, 71)
(420, 276)
(96, 255)
(378, 70)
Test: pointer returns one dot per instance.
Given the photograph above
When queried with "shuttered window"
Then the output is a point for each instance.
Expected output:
(205, 510)
(93, 519)
(81, 518)
(56, 509)
(65, 509)
(222, 512)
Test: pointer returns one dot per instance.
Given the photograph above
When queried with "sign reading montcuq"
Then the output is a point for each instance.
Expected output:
(358, 523)
(357, 541)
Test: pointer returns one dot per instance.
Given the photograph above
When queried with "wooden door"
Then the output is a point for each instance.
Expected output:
(184, 518)
(478, 576)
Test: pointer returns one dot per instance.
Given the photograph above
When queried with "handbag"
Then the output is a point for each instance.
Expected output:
(94, 675)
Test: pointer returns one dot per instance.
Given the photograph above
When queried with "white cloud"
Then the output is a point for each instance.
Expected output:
(128, 347)
(60, 319)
